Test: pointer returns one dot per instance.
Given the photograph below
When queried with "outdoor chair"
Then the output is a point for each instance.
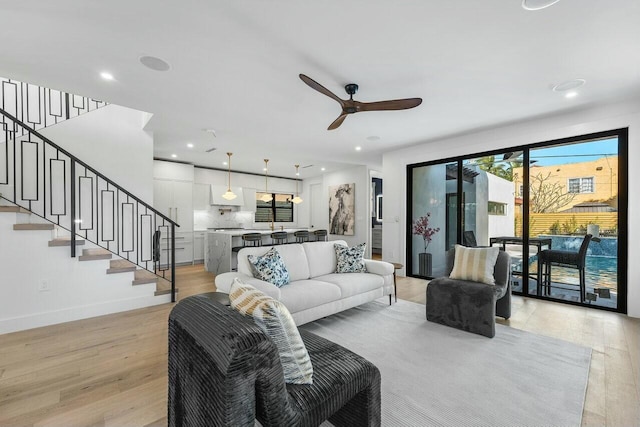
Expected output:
(570, 259)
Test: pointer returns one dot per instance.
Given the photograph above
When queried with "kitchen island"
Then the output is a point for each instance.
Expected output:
(218, 254)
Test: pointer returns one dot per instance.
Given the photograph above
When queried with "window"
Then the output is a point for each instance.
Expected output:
(581, 185)
(497, 208)
(280, 208)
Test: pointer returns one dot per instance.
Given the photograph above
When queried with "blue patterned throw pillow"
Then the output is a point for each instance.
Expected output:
(270, 268)
(350, 260)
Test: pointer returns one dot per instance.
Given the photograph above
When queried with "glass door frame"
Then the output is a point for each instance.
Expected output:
(623, 139)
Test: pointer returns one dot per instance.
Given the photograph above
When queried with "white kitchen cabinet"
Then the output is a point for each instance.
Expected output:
(249, 200)
(184, 248)
(175, 200)
(201, 197)
(198, 246)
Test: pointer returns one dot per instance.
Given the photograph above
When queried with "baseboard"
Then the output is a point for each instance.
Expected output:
(76, 313)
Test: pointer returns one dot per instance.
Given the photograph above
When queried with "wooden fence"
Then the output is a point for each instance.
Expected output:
(568, 223)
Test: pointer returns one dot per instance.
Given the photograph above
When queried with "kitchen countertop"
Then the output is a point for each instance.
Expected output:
(264, 232)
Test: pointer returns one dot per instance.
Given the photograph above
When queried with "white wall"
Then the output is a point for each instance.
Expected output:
(77, 290)
(542, 129)
(112, 141)
(501, 191)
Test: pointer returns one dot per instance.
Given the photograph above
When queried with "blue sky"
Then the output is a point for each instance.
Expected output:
(574, 153)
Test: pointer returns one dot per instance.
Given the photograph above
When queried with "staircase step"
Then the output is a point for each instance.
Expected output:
(65, 241)
(94, 254)
(121, 266)
(33, 226)
(16, 209)
(142, 277)
(163, 287)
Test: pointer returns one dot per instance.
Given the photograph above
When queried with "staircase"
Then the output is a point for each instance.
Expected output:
(52, 191)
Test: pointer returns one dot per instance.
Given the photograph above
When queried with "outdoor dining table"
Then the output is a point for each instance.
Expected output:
(513, 240)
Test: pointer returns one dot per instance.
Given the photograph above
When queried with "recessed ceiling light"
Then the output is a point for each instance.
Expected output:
(174, 155)
(225, 163)
(322, 169)
(154, 63)
(571, 94)
(190, 145)
(358, 148)
(106, 75)
(537, 4)
(264, 169)
(568, 85)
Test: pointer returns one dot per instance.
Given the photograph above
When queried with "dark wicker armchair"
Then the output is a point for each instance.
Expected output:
(224, 371)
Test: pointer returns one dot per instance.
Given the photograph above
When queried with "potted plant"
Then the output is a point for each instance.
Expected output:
(421, 228)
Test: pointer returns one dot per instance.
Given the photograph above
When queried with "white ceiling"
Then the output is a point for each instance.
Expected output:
(235, 67)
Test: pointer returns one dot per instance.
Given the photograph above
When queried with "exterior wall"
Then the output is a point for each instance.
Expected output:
(605, 179)
(501, 191)
(623, 115)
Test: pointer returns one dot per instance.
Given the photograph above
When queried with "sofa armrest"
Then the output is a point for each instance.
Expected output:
(225, 280)
(381, 268)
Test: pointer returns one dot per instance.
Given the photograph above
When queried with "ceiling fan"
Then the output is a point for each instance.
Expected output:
(349, 106)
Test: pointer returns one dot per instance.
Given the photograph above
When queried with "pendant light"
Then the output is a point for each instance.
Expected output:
(266, 197)
(297, 199)
(229, 195)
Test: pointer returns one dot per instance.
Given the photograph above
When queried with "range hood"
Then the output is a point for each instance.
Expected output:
(218, 190)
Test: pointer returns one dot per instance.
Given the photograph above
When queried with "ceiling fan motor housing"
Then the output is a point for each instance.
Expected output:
(351, 88)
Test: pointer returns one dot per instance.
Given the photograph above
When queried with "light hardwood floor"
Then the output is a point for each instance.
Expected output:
(111, 370)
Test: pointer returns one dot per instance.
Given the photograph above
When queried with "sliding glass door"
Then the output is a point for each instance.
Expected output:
(569, 196)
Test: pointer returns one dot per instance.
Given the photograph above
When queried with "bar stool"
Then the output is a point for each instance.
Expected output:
(279, 237)
(249, 239)
(321, 235)
(301, 236)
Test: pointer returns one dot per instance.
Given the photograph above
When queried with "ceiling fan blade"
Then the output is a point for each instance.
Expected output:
(317, 86)
(396, 104)
(337, 122)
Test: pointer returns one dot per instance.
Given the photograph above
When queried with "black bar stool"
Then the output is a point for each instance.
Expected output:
(279, 237)
(249, 239)
(321, 235)
(301, 236)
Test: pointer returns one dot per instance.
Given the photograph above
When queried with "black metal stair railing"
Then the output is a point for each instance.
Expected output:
(45, 179)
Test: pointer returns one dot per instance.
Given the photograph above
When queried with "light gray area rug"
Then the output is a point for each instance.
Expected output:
(434, 375)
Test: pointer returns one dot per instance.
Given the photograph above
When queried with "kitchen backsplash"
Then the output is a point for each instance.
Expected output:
(212, 218)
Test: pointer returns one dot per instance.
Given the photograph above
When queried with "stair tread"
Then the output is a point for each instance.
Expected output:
(142, 277)
(95, 254)
(33, 226)
(65, 241)
(15, 209)
(121, 266)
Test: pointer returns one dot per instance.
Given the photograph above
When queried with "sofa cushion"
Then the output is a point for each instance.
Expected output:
(350, 260)
(270, 267)
(293, 255)
(322, 257)
(304, 294)
(353, 283)
(275, 320)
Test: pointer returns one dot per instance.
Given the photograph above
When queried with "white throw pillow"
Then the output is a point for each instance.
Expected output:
(274, 319)
(475, 264)
(350, 260)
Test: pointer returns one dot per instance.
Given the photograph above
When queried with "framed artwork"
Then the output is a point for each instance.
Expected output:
(342, 216)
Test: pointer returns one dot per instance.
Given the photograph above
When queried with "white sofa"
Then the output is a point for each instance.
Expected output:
(315, 290)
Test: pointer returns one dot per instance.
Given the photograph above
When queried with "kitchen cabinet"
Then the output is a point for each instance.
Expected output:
(198, 246)
(175, 200)
(201, 197)
(249, 199)
(184, 248)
